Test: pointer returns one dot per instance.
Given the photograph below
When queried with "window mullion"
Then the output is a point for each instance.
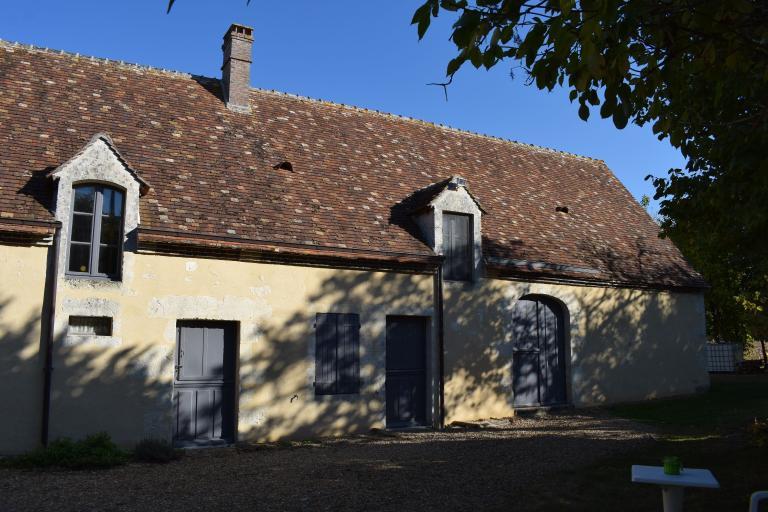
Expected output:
(96, 233)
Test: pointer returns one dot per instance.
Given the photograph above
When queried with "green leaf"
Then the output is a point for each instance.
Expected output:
(423, 18)
(455, 64)
(491, 56)
(532, 43)
(606, 109)
(584, 112)
(476, 57)
(592, 97)
(465, 29)
(619, 118)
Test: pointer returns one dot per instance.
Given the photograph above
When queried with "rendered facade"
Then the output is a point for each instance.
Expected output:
(190, 259)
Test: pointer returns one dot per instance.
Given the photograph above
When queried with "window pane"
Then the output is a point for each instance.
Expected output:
(113, 203)
(81, 227)
(90, 325)
(78, 257)
(84, 197)
(108, 260)
(110, 230)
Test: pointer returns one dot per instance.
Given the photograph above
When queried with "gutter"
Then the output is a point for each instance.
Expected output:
(275, 246)
(51, 224)
(50, 308)
(151, 240)
(495, 272)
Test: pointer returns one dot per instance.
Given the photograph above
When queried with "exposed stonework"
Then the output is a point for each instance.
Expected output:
(97, 162)
(453, 199)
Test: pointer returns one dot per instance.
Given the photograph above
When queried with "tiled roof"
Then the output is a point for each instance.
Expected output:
(213, 171)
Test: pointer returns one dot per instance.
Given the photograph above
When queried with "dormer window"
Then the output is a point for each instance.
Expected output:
(457, 246)
(450, 219)
(96, 234)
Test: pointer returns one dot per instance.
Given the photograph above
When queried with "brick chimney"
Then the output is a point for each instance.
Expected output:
(236, 70)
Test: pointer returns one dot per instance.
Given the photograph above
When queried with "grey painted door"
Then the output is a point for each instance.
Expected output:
(204, 383)
(538, 359)
(406, 383)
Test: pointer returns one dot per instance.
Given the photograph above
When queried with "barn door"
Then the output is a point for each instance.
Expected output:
(406, 378)
(538, 359)
(204, 383)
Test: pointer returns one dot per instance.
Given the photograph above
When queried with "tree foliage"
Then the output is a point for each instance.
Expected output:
(697, 71)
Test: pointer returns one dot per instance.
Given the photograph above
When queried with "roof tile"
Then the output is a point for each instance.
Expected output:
(213, 171)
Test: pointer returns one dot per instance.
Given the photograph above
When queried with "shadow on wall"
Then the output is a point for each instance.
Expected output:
(638, 345)
(626, 345)
(105, 386)
(21, 365)
(277, 397)
(92, 385)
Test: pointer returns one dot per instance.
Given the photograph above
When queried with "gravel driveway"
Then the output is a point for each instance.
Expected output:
(488, 469)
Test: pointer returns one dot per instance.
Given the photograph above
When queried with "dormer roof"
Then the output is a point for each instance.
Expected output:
(101, 138)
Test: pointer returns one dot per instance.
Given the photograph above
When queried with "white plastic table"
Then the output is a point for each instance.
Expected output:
(673, 486)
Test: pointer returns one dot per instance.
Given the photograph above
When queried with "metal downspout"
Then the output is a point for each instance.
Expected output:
(50, 308)
(438, 279)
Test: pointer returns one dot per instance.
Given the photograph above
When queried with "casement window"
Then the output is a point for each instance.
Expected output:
(457, 247)
(337, 354)
(90, 326)
(96, 232)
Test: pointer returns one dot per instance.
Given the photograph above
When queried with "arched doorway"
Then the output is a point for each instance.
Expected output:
(538, 352)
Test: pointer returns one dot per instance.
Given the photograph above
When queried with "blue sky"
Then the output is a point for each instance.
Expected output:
(346, 51)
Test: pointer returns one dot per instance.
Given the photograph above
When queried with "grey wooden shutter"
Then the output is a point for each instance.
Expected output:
(348, 352)
(325, 354)
(456, 246)
(448, 246)
(337, 353)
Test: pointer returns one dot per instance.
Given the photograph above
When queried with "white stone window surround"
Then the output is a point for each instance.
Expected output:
(455, 198)
(100, 163)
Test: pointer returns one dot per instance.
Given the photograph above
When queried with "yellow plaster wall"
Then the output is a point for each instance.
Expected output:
(22, 283)
(621, 345)
(123, 385)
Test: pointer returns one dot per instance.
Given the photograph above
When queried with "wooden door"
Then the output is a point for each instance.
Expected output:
(538, 358)
(406, 377)
(204, 383)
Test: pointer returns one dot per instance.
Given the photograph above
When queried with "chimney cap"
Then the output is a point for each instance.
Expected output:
(236, 29)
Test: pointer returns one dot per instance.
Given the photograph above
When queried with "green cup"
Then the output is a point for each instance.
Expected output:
(672, 466)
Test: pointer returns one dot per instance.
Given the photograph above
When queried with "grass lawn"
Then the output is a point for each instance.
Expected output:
(705, 431)
(731, 402)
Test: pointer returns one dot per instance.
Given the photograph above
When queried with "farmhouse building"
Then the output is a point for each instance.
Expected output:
(192, 259)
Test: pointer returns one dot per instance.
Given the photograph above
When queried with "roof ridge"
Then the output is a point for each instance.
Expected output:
(182, 74)
(445, 127)
(11, 45)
